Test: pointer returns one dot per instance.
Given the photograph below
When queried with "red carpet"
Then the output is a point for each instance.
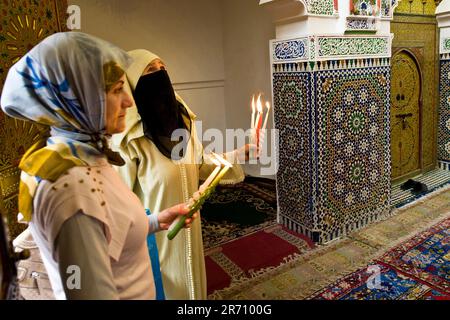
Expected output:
(245, 256)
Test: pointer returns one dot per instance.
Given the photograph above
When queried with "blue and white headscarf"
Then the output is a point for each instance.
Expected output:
(61, 83)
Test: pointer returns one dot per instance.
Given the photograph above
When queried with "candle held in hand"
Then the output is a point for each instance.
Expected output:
(264, 126)
(253, 112)
(258, 119)
(222, 172)
(267, 115)
(210, 178)
(179, 223)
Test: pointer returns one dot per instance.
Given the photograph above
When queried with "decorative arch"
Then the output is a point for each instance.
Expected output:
(410, 136)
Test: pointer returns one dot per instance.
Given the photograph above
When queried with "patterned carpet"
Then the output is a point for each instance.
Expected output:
(416, 269)
(307, 274)
(391, 285)
(234, 211)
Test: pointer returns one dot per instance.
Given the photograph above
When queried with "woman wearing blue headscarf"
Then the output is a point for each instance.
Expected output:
(90, 228)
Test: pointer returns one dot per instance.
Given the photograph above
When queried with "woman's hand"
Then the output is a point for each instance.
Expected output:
(167, 216)
(246, 152)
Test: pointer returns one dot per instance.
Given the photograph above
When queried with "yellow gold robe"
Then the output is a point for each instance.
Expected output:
(161, 183)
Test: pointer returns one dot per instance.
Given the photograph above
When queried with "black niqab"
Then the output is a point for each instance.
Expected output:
(162, 113)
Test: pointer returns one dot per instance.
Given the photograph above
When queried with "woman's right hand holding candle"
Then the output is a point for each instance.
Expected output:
(167, 216)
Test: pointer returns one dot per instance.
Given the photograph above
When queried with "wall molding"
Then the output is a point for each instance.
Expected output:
(196, 85)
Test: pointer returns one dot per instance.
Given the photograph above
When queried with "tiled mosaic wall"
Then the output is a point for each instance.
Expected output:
(294, 119)
(353, 154)
(444, 112)
(321, 7)
(334, 173)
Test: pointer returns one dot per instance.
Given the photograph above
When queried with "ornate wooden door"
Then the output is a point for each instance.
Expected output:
(23, 24)
(405, 115)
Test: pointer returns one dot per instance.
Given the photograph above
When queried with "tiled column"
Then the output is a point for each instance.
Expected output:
(443, 17)
(331, 105)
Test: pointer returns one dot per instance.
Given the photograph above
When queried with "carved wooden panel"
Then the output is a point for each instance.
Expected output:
(23, 24)
(405, 114)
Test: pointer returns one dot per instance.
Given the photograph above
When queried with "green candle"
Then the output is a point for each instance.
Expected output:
(180, 221)
(219, 177)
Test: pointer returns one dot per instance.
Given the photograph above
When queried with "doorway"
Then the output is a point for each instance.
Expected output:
(405, 116)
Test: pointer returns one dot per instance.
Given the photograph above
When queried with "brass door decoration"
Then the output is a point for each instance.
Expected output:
(23, 24)
(405, 115)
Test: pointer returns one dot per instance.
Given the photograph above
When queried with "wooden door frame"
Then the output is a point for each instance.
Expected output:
(421, 47)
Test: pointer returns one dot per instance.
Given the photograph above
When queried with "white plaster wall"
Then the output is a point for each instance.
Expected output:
(248, 28)
(217, 51)
(187, 35)
(443, 8)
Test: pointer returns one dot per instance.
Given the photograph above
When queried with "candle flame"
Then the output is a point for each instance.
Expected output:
(268, 105)
(253, 103)
(259, 104)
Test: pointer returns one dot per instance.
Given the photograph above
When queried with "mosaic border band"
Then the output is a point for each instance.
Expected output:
(444, 46)
(387, 9)
(323, 237)
(331, 8)
(444, 165)
(367, 24)
(330, 65)
(318, 48)
(321, 7)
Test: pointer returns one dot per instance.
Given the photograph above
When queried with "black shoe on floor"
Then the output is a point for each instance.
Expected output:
(419, 188)
(408, 184)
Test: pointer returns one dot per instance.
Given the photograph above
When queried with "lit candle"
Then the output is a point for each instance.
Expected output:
(226, 167)
(211, 176)
(263, 127)
(253, 112)
(219, 176)
(258, 119)
(267, 115)
(179, 223)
